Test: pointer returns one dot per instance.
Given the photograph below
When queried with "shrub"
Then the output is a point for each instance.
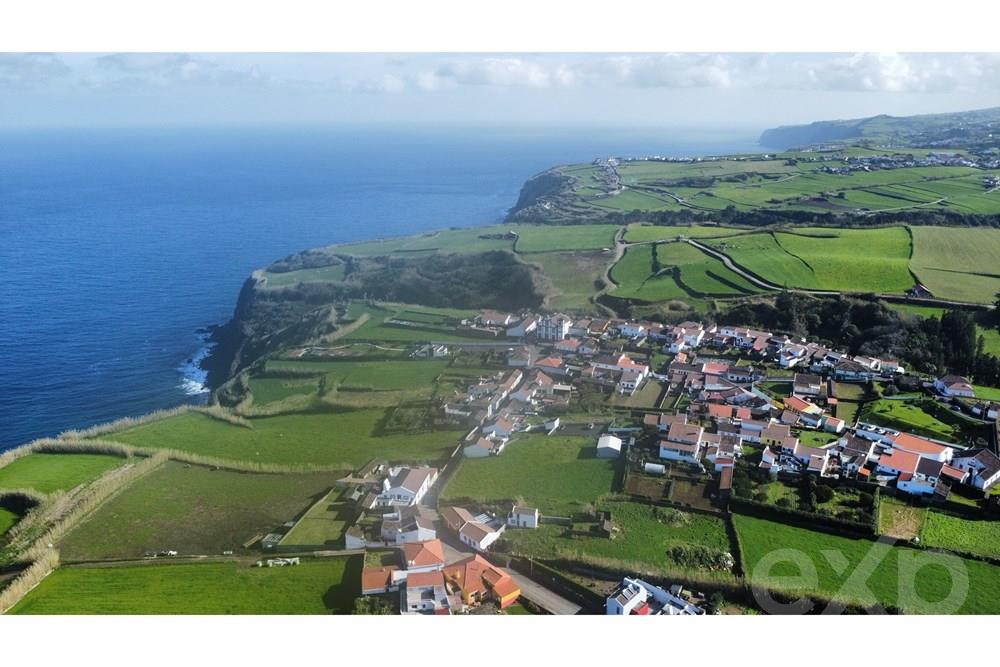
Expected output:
(824, 494)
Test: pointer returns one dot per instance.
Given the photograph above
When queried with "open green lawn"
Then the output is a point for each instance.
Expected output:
(853, 260)
(685, 271)
(643, 538)
(547, 238)
(324, 524)
(958, 262)
(377, 328)
(908, 416)
(930, 574)
(371, 375)
(556, 474)
(7, 520)
(332, 273)
(192, 510)
(46, 472)
(317, 586)
(348, 438)
(980, 537)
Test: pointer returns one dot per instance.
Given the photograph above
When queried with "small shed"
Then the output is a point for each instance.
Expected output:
(609, 447)
(655, 469)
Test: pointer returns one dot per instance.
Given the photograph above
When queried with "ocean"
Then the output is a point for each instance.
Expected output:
(118, 247)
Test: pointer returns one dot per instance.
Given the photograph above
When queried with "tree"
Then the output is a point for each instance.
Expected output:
(824, 494)
(369, 605)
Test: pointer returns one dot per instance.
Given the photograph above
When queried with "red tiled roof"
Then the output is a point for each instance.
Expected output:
(422, 554)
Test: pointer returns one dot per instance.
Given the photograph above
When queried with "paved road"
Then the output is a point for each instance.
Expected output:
(543, 597)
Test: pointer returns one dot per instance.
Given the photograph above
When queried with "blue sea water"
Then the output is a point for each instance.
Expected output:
(117, 246)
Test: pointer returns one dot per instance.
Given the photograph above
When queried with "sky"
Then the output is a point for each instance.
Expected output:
(724, 91)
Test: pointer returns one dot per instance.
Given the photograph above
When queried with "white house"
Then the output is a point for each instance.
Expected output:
(523, 517)
(479, 535)
(955, 385)
(406, 525)
(406, 486)
(982, 465)
(683, 443)
(635, 597)
(523, 328)
(609, 447)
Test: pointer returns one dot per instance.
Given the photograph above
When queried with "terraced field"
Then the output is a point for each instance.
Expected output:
(546, 238)
(958, 262)
(641, 233)
(685, 272)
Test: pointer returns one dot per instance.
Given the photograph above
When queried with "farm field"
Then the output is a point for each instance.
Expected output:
(697, 274)
(547, 238)
(899, 519)
(447, 240)
(870, 260)
(637, 233)
(557, 474)
(368, 375)
(957, 534)
(375, 328)
(318, 586)
(192, 510)
(573, 276)
(331, 273)
(931, 582)
(49, 472)
(644, 534)
(274, 389)
(958, 262)
(347, 439)
(323, 525)
(987, 393)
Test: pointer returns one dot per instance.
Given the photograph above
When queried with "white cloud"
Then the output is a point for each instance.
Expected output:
(23, 70)
(903, 73)
(162, 70)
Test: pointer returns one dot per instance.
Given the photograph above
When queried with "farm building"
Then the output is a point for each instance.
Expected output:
(609, 447)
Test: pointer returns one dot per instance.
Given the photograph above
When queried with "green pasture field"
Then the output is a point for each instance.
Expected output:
(573, 276)
(958, 262)
(317, 586)
(345, 438)
(638, 233)
(870, 260)
(273, 389)
(333, 273)
(376, 329)
(324, 524)
(980, 537)
(642, 538)
(46, 473)
(193, 510)
(632, 200)
(549, 238)
(699, 273)
(760, 537)
(445, 241)
(906, 416)
(556, 474)
(373, 375)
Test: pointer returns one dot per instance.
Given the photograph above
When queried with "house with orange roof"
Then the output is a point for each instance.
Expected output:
(476, 580)
(898, 462)
(423, 556)
(378, 580)
(426, 593)
(923, 447)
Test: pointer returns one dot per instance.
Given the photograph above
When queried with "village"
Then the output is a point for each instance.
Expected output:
(738, 406)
